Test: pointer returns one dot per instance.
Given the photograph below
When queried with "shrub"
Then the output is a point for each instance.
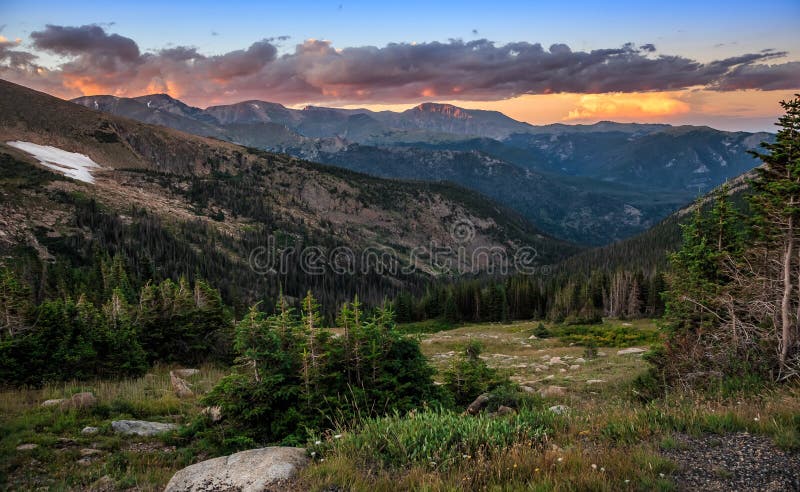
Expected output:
(295, 377)
(468, 375)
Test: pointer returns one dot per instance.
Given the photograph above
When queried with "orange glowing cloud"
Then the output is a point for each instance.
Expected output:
(619, 105)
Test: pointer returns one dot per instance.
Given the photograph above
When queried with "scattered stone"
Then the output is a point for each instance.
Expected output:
(141, 427)
(559, 409)
(562, 370)
(580, 360)
(533, 337)
(90, 430)
(255, 470)
(527, 389)
(214, 413)
(27, 447)
(79, 400)
(595, 381)
(186, 373)
(632, 350)
(602, 354)
(180, 386)
(549, 391)
(574, 367)
(503, 410)
(545, 357)
(479, 404)
(52, 403)
(555, 360)
(90, 452)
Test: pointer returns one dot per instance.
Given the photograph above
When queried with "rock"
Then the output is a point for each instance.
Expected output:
(186, 373)
(595, 381)
(90, 430)
(527, 389)
(559, 409)
(214, 413)
(555, 360)
(255, 470)
(551, 390)
(562, 370)
(90, 452)
(503, 410)
(80, 400)
(574, 367)
(532, 337)
(601, 354)
(27, 447)
(141, 427)
(476, 406)
(632, 350)
(52, 403)
(180, 386)
(580, 360)
(103, 484)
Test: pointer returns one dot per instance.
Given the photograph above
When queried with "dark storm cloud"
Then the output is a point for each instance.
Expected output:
(85, 40)
(397, 72)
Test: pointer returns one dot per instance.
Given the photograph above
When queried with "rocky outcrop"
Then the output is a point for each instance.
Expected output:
(141, 427)
(180, 386)
(255, 470)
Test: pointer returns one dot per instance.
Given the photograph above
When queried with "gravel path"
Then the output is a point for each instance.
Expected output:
(733, 462)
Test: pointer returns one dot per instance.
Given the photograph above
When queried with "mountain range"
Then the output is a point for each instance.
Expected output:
(202, 205)
(589, 184)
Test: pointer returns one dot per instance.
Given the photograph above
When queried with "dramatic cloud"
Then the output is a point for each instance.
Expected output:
(633, 106)
(99, 62)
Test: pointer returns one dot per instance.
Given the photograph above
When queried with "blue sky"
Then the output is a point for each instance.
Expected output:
(697, 31)
(692, 28)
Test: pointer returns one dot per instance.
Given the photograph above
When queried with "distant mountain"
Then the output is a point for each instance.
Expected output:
(593, 184)
(190, 205)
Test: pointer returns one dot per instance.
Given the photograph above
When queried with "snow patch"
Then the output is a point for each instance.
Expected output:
(70, 164)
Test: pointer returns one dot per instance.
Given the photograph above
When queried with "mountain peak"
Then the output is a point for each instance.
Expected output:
(444, 109)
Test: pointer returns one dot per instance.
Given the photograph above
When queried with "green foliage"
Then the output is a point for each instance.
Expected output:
(604, 336)
(541, 331)
(296, 376)
(468, 375)
(438, 439)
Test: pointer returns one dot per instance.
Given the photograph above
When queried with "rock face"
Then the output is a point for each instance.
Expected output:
(180, 386)
(255, 470)
(140, 427)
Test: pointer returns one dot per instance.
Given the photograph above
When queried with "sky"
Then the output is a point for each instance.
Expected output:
(724, 64)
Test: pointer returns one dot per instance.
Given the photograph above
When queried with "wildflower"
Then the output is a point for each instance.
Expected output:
(317, 443)
(313, 453)
(515, 465)
(661, 475)
(602, 469)
(594, 467)
(337, 436)
(627, 481)
(536, 470)
(560, 459)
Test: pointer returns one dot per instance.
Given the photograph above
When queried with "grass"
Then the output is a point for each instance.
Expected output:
(432, 449)
(130, 462)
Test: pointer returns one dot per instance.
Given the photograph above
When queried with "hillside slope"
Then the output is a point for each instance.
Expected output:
(195, 205)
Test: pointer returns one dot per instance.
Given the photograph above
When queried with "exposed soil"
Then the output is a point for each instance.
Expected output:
(733, 462)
